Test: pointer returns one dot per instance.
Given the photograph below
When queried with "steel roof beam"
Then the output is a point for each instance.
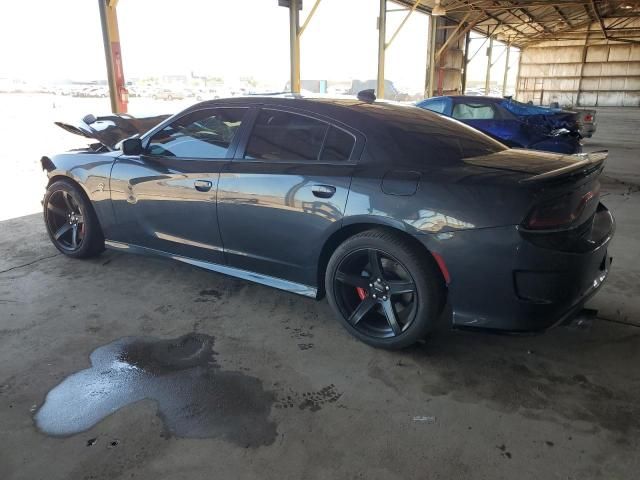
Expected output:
(562, 15)
(599, 18)
(521, 5)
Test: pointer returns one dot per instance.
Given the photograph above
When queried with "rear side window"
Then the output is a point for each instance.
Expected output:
(281, 135)
(200, 134)
(337, 146)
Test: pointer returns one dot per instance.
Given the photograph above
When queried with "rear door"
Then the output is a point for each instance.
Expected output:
(165, 199)
(282, 195)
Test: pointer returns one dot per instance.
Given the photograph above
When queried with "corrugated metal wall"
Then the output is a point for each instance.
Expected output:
(581, 72)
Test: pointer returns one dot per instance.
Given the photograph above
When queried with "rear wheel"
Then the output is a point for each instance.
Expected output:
(385, 290)
(71, 221)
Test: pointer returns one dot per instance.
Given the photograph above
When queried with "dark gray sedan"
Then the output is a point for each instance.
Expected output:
(390, 211)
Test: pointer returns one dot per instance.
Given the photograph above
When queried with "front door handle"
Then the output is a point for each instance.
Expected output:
(203, 185)
(323, 191)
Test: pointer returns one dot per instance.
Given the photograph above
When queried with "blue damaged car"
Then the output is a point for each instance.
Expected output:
(515, 124)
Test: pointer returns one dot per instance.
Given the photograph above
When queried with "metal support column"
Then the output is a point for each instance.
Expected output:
(294, 44)
(518, 74)
(431, 75)
(585, 50)
(506, 71)
(465, 61)
(382, 40)
(487, 79)
(113, 55)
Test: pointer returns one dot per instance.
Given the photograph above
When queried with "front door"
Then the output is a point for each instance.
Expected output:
(279, 201)
(165, 199)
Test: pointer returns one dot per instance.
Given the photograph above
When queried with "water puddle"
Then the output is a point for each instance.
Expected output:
(195, 398)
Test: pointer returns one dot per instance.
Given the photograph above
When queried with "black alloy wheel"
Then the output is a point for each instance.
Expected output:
(385, 289)
(65, 220)
(71, 221)
(375, 293)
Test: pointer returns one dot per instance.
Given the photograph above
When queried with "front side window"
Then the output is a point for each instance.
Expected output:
(285, 136)
(201, 134)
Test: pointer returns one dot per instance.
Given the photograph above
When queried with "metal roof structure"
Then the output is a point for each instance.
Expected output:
(519, 23)
(524, 22)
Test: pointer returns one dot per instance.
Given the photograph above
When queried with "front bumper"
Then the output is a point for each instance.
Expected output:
(502, 278)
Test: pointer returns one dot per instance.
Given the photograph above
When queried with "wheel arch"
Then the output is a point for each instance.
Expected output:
(61, 176)
(347, 231)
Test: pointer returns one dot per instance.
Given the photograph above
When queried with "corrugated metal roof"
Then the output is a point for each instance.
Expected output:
(523, 22)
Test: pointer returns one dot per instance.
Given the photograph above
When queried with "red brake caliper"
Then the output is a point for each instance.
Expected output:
(362, 293)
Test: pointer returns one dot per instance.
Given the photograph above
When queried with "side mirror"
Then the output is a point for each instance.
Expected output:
(132, 146)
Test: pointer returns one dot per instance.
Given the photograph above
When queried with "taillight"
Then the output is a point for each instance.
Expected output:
(559, 213)
(588, 118)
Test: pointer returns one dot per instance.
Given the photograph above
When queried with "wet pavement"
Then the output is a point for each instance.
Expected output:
(194, 397)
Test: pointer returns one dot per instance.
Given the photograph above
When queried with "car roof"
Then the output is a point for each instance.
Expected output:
(348, 110)
(477, 98)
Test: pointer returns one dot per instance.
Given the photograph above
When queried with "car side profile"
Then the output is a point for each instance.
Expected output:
(390, 211)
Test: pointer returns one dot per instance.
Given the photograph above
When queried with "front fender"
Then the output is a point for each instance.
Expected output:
(91, 171)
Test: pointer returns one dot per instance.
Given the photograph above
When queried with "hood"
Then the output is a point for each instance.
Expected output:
(109, 130)
(539, 165)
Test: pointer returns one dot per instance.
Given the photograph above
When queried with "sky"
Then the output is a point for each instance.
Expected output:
(44, 40)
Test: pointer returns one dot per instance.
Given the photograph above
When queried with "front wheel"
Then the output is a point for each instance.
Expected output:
(71, 222)
(386, 291)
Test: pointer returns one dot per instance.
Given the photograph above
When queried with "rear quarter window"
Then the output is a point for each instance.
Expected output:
(425, 137)
(337, 146)
(437, 105)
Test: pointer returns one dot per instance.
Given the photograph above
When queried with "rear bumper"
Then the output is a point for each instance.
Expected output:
(504, 279)
(587, 129)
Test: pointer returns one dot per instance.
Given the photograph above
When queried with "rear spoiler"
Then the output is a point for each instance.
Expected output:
(586, 162)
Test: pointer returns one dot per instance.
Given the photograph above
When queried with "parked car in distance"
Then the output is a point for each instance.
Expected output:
(167, 94)
(513, 123)
(390, 211)
(93, 91)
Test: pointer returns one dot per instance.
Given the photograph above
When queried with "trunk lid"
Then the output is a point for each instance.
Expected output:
(109, 130)
(540, 166)
(564, 190)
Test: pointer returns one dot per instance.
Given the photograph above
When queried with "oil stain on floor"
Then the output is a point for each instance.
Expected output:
(195, 398)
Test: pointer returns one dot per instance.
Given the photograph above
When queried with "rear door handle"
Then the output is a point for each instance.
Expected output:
(323, 191)
(203, 185)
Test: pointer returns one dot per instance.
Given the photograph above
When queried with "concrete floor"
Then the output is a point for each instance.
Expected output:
(562, 405)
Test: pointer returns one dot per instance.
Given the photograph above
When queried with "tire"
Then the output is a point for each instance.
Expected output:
(395, 312)
(71, 221)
